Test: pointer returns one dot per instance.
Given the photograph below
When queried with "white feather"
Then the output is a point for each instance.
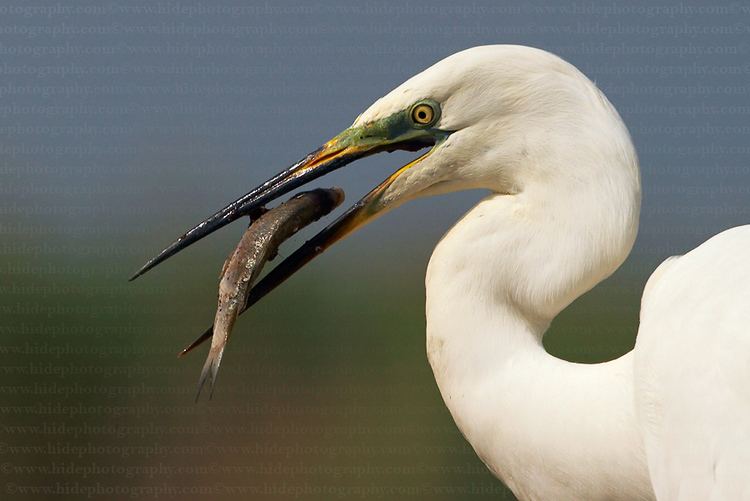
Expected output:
(692, 371)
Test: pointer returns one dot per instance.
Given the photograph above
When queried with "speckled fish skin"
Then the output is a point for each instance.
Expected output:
(259, 244)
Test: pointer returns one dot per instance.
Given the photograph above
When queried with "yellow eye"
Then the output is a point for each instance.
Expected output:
(422, 114)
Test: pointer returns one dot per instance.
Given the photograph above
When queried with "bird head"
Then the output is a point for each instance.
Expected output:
(501, 117)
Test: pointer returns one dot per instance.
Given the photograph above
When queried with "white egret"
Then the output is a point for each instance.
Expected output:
(671, 419)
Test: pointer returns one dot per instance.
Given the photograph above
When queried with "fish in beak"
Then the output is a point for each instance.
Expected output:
(259, 244)
(412, 129)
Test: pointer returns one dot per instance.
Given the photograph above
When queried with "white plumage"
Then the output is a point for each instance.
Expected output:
(670, 419)
(691, 367)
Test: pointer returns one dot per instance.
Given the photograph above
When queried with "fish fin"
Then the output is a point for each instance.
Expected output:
(209, 372)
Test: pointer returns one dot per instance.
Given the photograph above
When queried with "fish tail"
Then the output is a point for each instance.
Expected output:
(209, 373)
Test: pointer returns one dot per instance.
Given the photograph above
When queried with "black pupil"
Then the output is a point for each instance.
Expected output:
(422, 115)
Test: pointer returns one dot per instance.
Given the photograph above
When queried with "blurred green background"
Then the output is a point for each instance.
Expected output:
(124, 124)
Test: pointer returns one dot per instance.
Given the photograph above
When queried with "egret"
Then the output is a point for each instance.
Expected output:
(669, 420)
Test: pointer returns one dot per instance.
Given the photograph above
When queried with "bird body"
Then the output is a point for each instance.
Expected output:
(669, 420)
(692, 367)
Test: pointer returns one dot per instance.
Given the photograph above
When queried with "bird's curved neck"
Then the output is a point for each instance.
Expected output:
(494, 283)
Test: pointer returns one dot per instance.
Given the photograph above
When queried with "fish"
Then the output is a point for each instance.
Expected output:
(258, 245)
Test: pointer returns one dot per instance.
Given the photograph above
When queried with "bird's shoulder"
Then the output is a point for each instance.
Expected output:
(691, 367)
(718, 268)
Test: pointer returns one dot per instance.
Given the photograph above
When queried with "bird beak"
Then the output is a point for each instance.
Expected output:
(354, 143)
(362, 212)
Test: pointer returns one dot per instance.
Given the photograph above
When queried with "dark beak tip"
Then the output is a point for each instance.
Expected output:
(146, 267)
(136, 275)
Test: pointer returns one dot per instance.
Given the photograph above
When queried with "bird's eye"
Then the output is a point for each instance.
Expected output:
(423, 114)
